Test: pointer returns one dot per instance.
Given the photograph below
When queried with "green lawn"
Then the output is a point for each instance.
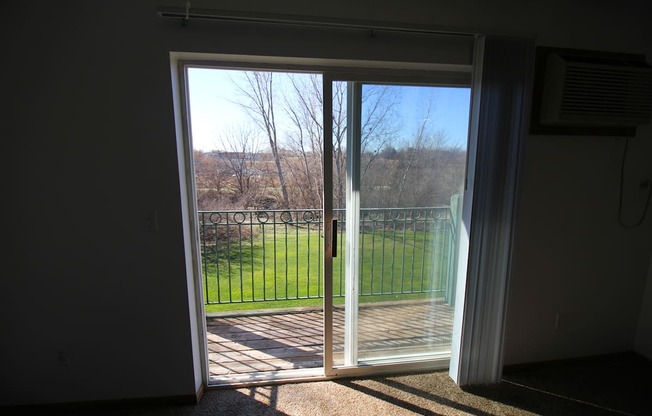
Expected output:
(284, 269)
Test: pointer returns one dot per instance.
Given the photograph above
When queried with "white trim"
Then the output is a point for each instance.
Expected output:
(461, 309)
(352, 243)
(189, 220)
(314, 64)
(184, 144)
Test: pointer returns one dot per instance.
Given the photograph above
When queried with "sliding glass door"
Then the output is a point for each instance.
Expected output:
(398, 169)
(257, 155)
(327, 214)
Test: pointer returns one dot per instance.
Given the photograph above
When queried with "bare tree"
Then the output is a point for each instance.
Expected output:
(340, 127)
(379, 126)
(304, 108)
(259, 100)
(239, 159)
(416, 147)
(299, 158)
(210, 181)
(418, 170)
(380, 121)
(438, 161)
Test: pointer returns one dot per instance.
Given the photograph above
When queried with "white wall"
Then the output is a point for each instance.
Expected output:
(94, 307)
(572, 257)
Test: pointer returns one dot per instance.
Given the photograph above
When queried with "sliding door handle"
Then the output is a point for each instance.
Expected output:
(334, 239)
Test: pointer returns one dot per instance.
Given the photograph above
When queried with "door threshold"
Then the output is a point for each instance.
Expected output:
(370, 368)
(268, 378)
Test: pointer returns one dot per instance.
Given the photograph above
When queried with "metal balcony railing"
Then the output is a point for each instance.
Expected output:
(271, 255)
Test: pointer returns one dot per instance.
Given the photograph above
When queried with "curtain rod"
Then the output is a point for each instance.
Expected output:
(185, 15)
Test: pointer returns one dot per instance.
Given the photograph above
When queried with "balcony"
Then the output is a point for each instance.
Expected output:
(263, 288)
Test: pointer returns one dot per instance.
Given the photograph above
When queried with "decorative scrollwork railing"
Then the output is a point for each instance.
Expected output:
(268, 255)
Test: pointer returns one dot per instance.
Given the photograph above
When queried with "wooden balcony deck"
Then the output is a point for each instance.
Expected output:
(281, 340)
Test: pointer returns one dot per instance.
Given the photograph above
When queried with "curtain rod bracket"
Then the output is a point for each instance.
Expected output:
(186, 18)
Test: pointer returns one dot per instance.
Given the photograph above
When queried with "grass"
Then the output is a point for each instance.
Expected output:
(283, 268)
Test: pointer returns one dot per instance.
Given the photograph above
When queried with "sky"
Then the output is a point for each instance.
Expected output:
(214, 108)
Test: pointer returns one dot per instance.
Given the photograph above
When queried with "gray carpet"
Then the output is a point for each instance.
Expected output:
(611, 385)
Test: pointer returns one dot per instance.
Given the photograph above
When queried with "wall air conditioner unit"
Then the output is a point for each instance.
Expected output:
(595, 91)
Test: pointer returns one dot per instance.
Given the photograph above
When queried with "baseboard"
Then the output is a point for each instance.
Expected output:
(516, 368)
(180, 400)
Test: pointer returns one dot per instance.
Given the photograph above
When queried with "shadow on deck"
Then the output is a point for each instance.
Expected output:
(274, 340)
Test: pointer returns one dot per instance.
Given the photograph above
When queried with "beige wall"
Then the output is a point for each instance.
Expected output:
(94, 307)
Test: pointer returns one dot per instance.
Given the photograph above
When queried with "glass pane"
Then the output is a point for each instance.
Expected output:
(257, 144)
(407, 146)
(412, 168)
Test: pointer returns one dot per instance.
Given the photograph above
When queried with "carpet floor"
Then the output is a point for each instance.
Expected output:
(611, 385)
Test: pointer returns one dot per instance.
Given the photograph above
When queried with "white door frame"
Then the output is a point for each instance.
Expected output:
(460, 354)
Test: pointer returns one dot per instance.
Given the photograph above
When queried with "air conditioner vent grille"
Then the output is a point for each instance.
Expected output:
(596, 92)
